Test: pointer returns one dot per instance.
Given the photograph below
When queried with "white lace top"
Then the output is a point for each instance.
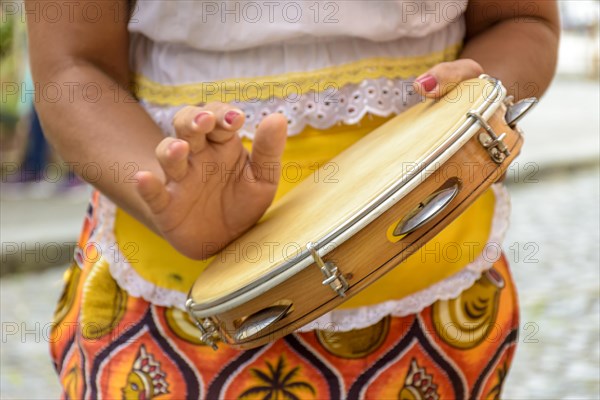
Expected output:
(278, 56)
(319, 63)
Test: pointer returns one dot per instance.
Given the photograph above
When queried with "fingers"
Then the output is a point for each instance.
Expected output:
(217, 122)
(192, 124)
(267, 148)
(229, 120)
(172, 154)
(442, 78)
(152, 191)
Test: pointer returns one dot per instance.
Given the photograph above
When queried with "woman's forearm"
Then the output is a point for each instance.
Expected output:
(92, 121)
(99, 129)
(520, 52)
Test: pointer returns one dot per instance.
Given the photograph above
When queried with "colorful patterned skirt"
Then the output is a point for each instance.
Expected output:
(128, 348)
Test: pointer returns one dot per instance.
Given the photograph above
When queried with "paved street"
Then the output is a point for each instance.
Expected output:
(553, 248)
(27, 306)
(552, 244)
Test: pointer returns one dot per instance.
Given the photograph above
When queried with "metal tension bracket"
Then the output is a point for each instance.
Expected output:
(209, 331)
(333, 276)
(492, 142)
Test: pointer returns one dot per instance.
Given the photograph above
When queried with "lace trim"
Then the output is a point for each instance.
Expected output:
(344, 320)
(120, 269)
(349, 104)
(283, 86)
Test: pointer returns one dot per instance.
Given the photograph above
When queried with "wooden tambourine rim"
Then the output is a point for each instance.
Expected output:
(491, 102)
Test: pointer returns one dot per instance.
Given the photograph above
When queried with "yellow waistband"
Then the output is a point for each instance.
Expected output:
(289, 85)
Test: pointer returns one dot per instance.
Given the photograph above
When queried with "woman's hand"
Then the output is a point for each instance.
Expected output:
(442, 78)
(212, 189)
(518, 45)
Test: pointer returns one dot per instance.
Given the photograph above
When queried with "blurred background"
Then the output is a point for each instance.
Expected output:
(553, 243)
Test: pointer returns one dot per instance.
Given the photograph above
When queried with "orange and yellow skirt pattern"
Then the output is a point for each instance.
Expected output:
(117, 346)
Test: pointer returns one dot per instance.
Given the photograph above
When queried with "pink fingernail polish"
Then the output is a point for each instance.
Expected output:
(200, 116)
(231, 116)
(427, 81)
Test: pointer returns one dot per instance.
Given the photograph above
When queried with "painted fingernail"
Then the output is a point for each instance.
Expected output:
(428, 82)
(231, 116)
(200, 116)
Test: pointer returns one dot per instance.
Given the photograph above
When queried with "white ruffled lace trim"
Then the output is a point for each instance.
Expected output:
(349, 104)
(120, 269)
(344, 320)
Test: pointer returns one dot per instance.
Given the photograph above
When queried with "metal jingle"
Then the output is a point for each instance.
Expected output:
(518, 110)
(260, 321)
(428, 209)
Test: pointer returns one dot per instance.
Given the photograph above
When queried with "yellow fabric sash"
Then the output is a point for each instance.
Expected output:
(451, 250)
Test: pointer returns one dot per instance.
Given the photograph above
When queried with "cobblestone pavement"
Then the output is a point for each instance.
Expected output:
(553, 247)
(555, 257)
(27, 302)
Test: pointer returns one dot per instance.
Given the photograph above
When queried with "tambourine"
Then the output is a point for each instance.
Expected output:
(324, 242)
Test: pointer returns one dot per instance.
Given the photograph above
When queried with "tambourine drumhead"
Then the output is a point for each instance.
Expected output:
(314, 208)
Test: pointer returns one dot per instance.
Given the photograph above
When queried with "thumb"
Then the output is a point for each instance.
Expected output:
(444, 77)
(267, 148)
